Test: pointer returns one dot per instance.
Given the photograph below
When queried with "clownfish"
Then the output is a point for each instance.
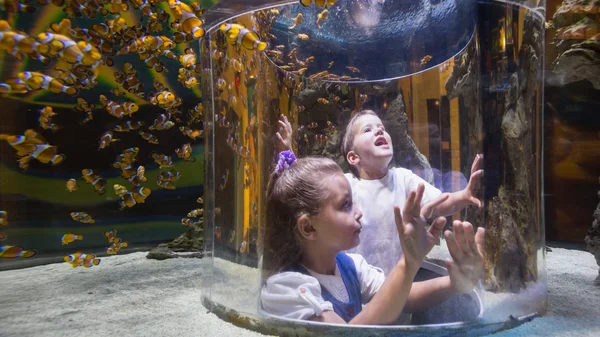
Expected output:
(320, 3)
(3, 219)
(81, 260)
(195, 213)
(236, 33)
(185, 152)
(95, 180)
(72, 185)
(69, 238)
(425, 59)
(187, 23)
(82, 217)
(15, 251)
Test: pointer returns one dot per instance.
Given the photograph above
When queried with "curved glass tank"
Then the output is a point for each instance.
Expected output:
(123, 128)
(449, 80)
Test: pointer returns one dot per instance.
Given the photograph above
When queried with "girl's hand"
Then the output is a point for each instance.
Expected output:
(414, 238)
(284, 136)
(471, 189)
(467, 249)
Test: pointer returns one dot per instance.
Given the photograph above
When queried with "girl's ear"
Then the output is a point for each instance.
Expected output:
(352, 158)
(305, 228)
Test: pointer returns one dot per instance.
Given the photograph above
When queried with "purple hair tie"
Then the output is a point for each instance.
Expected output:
(286, 158)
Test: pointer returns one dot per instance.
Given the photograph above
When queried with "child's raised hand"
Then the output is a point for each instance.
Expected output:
(414, 238)
(466, 248)
(284, 136)
(471, 189)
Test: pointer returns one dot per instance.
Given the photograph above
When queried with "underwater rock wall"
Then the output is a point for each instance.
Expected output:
(593, 239)
(464, 81)
(510, 255)
(577, 40)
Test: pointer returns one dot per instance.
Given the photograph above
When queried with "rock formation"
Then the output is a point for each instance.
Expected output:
(189, 244)
(593, 239)
(464, 82)
(512, 226)
(577, 39)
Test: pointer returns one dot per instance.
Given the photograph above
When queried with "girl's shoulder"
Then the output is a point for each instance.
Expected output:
(293, 295)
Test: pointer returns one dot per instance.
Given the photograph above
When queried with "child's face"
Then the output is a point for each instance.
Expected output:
(372, 144)
(338, 223)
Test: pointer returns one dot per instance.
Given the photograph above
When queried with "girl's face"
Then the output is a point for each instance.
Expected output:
(338, 223)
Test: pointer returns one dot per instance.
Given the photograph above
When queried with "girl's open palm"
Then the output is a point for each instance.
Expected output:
(466, 248)
(416, 241)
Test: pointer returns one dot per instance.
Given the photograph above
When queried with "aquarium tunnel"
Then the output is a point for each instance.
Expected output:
(126, 126)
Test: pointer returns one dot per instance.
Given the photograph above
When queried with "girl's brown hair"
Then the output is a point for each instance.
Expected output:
(298, 190)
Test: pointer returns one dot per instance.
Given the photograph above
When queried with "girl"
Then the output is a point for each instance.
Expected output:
(311, 219)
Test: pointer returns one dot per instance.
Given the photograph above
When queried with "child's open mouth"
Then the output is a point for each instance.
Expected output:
(380, 141)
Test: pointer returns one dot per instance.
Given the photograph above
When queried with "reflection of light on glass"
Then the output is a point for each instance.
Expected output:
(437, 102)
(366, 12)
(502, 36)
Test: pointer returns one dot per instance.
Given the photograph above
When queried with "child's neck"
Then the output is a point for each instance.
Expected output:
(372, 173)
(319, 261)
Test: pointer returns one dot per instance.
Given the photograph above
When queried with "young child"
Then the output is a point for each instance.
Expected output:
(311, 219)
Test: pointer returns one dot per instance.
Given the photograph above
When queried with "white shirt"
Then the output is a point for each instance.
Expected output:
(379, 241)
(298, 296)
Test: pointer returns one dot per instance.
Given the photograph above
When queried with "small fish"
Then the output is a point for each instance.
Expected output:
(320, 3)
(243, 247)
(81, 260)
(425, 59)
(312, 125)
(95, 180)
(82, 217)
(128, 126)
(297, 21)
(72, 185)
(120, 189)
(185, 152)
(330, 65)
(150, 138)
(106, 139)
(200, 200)
(162, 160)
(195, 213)
(236, 33)
(15, 251)
(111, 235)
(3, 219)
(323, 101)
(187, 23)
(69, 238)
(353, 69)
(303, 37)
(224, 180)
(321, 16)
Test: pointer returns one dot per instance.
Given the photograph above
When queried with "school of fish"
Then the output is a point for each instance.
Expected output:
(76, 55)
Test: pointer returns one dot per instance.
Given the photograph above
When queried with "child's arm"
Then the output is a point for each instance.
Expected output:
(461, 199)
(284, 136)
(466, 249)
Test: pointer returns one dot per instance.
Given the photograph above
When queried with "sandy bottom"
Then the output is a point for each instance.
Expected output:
(130, 295)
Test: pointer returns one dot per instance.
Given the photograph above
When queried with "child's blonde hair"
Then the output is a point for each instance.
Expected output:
(348, 141)
(295, 191)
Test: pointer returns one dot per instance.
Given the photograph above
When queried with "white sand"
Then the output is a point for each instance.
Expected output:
(130, 295)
